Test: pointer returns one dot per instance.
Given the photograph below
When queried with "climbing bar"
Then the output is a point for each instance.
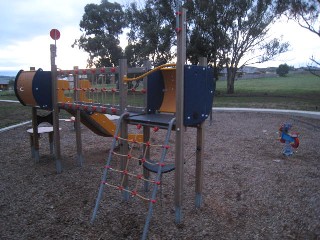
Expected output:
(133, 193)
(109, 90)
(128, 140)
(125, 172)
(143, 160)
(148, 144)
(105, 109)
(88, 71)
(134, 90)
(129, 156)
(126, 79)
(102, 70)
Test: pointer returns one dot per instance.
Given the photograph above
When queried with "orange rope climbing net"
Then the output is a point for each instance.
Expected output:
(136, 175)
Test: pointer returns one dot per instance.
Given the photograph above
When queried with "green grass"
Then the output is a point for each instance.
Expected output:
(13, 113)
(296, 91)
(7, 95)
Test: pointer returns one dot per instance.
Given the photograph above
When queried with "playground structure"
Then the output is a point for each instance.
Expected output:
(34, 88)
(173, 97)
(290, 140)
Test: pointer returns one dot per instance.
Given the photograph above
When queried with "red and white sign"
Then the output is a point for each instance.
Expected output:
(55, 34)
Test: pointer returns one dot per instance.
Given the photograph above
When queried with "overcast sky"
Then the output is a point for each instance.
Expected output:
(25, 40)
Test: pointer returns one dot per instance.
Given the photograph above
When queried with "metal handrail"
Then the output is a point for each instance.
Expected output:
(126, 79)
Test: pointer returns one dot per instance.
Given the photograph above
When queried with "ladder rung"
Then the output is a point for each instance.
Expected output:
(153, 166)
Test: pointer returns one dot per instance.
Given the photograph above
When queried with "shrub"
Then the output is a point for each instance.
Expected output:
(283, 70)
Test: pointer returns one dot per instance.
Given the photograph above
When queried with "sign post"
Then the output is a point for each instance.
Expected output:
(55, 35)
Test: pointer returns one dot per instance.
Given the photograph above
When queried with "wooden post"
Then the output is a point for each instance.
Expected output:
(56, 135)
(77, 122)
(35, 136)
(123, 70)
(51, 142)
(123, 87)
(179, 154)
(199, 154)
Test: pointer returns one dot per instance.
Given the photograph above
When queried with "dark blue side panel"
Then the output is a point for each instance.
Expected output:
(211, 86)
(16, 90)
(42, 89)
(155, 91)
(198, 94)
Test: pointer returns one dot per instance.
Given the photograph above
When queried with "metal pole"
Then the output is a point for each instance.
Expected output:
(105, 171)
(56, 135)
(179, 154)
(146, 150)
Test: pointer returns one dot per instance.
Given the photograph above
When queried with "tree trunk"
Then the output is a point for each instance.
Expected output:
(230, 86)
(215, 70)
(231, 75)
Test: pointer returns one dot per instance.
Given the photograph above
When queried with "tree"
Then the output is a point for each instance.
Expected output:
(205, 35)
(151, 34)
(101, 25)
(227, 32)
(236, 30)
(283, 70)
(306, 14)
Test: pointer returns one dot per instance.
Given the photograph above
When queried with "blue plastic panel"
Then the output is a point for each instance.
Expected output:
(199, 89)
(42, 89)
(155, 91)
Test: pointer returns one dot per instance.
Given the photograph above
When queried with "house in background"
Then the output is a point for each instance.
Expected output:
(249, 72)
(5, 82)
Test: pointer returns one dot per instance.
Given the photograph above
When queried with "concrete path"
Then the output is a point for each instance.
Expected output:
(14, 126)
(310, 114)
(10, 101)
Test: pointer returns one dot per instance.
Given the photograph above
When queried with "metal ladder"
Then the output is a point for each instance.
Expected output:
(159, 169)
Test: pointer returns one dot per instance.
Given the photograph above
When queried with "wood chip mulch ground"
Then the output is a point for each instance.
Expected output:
(251, 191)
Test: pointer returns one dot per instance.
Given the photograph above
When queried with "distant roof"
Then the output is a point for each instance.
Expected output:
(5, 80)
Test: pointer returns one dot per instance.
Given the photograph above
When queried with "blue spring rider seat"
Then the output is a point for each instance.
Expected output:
(290, 140)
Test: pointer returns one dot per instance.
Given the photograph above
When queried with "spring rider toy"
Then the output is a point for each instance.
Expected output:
(290, 140)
